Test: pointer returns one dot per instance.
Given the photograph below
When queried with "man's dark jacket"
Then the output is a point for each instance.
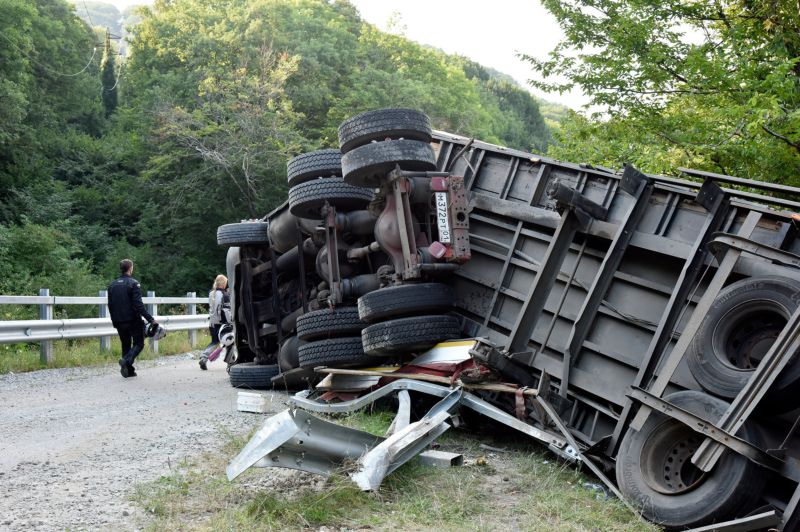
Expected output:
(125, 301)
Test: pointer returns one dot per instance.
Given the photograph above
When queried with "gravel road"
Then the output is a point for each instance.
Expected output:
(75, 442)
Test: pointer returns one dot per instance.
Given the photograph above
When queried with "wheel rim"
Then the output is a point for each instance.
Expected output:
(746, 332)
(666, 459)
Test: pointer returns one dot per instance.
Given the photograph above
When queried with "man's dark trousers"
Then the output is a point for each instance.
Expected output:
(131, 331)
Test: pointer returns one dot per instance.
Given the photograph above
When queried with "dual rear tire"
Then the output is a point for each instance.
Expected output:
(407, 318)
(654, 469)
(331, 337)
(376, 142)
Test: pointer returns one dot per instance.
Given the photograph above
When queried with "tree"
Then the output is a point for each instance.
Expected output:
(48, 87)
(713, 84)
(216, 97)
(393, 71)
(241, 132)
(515, 114)
(108, 77)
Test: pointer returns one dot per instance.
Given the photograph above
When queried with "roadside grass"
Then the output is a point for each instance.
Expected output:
(506, 483)
(86, 352)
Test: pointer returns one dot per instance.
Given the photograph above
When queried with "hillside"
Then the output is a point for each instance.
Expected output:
(211, 99)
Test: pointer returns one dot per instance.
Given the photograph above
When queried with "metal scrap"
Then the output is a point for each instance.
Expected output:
(295, 439)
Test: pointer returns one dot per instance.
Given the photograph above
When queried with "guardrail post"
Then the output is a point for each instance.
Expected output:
(192, 309)
(46, 313)
(152, 308)
(105, 341)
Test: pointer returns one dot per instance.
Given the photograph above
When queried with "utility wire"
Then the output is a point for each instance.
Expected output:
(119, 75)
(56, 72)
(91, 24)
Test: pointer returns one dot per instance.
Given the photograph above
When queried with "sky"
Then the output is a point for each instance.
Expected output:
(489, 32)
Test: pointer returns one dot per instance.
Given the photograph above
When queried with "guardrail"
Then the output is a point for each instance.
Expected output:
(46, 329)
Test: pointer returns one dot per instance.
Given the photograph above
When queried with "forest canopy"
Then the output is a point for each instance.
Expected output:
(206, 106)
(708, 84)
(141, 146)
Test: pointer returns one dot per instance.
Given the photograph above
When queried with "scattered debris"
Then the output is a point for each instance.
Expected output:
(441, 459)
(493, 449)
(256, 402)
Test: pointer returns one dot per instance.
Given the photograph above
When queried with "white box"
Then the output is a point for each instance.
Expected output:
(259, 403)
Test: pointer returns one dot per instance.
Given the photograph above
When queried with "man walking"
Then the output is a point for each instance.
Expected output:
(127, 310)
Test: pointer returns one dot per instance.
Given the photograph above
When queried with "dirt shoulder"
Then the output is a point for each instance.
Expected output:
(76, 442)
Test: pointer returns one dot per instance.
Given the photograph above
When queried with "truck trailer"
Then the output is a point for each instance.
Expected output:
(654, 317)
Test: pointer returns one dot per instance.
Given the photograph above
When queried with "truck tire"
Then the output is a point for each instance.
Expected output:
(405, 300)
(367, 166)
(382, 124)
(408, 335)
(334, 352)
(252, 375)
(329, 323)
(314, 164)
(738, 330)
(243, 234)
(654, 471)
(306, 199)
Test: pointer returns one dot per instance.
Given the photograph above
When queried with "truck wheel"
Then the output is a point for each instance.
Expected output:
(329, 323)
(306, 199)
(736, 333)
(314, 164)
(409, 335)
(382, 124)
(252, 375)
(367, 166)
(334, 352)
(243, 234)
(655, 473)
(405, 300)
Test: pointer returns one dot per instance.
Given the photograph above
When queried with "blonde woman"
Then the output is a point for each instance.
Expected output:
(219, 308)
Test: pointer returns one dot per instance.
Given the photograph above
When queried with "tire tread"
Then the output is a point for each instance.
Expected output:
(335, 352)
(329, 323)
(379, 124)
(252, 375)
(408, 334)
(244, 233)
(306, 199)
(367, 166)
(314, 164)
(405, 300)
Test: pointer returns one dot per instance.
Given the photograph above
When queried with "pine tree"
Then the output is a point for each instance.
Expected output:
(108, 77)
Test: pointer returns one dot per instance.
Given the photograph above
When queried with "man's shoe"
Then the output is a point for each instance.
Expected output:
(131, 371)
(203, 364)
(123, 368)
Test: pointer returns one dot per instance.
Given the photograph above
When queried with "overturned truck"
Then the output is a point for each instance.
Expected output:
(649, 324)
